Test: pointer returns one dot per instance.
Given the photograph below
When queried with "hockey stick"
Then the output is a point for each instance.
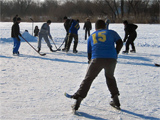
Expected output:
(156, 64)
(42, 54)
(32, 25)
(62, 43)
(55, 45)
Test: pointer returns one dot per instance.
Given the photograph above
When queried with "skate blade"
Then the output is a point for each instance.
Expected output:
(118, 108)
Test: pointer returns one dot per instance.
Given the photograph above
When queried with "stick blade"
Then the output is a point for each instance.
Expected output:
(156, 64)
(58, 49)
(67, 95)
(43, 54)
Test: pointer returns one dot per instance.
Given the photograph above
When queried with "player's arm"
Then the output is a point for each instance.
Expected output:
(89, 50)
(119, 45)
(126, 35)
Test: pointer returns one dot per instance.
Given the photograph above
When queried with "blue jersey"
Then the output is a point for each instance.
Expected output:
(74, 27)
(101, 44)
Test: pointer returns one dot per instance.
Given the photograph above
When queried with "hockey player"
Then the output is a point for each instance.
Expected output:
(73, 33)
(15, 33)
(130, 36)
(87, 27)
(67, 25)
(15, 19)
(102, 54)
(44, 33)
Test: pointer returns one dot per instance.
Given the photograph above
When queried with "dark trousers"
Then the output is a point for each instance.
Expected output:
(69, 41)
(87, 31)
(130, 41)
(94, 69)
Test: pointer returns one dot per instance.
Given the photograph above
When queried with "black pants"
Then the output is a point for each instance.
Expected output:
(87, 31)
(130, 41)
(94, 69)
(69, 41)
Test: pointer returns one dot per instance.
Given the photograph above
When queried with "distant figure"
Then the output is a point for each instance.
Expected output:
(36, 31)
(73, 33)
(67, 25)
(130, 36)
(107, 23)
(44, 33)
(15, 33)
(15, 19)
(87, 27)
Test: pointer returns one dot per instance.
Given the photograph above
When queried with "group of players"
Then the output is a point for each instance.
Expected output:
(103, 47)
(71, 26)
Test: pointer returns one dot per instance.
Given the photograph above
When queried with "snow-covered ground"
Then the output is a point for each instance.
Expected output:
(32, 87)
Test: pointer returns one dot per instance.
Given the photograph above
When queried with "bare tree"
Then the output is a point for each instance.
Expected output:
(136, 10)
(22, 6)
(122, 8)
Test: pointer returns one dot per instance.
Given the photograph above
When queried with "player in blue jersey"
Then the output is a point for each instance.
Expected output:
(103, 48)
(73, 33)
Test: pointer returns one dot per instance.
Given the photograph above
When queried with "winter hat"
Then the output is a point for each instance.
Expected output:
(125, 22)
(77, 20)
(48, 21)
(65, 17)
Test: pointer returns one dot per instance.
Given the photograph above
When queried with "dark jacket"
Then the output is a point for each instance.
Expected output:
(15, 31)
(129, 30)
(87, 25)
(36, 31)
(67, 25)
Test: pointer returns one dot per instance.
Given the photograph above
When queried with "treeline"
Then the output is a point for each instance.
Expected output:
(138, 11)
